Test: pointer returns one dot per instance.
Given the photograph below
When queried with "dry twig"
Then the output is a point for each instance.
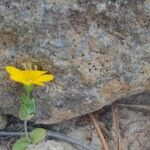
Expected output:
(105, 132)
(99, 132)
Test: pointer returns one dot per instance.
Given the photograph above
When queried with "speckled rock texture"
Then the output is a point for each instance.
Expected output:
(98, 50)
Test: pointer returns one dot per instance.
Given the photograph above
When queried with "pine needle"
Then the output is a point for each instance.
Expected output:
(99, 132)
(117, 129)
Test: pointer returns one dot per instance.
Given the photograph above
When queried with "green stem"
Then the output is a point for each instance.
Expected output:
(28, 89)
(28, 94)
(26, 131)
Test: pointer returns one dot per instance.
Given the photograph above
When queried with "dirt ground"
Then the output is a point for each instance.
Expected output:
(134, 128)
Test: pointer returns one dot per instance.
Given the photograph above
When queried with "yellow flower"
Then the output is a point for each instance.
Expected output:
(29, 77)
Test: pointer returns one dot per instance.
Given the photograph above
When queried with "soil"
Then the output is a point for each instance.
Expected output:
(134, 129)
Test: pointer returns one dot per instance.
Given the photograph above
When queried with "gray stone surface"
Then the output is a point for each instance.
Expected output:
(98, 51)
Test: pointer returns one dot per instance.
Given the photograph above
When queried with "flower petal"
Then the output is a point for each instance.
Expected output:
(29, 77)
(32, 74)
(17, 78)
(12, 70)
(43, 78)
(15, 74)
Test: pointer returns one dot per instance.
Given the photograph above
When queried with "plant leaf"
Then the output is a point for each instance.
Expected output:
(30, 103)
(24, 98)
(24, 113)
(38, 135)
(21, 144)
(31, 106)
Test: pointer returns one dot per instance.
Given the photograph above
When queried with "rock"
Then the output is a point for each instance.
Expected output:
(135, 129)
(99, 52)
(52, 145)
(3, 121)
(3, 147)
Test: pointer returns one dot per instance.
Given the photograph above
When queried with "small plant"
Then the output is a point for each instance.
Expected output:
(28, 78)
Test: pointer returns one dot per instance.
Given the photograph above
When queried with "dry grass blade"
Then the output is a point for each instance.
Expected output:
(105, 132)
(99, 132)
(135, 106)
(117, 129)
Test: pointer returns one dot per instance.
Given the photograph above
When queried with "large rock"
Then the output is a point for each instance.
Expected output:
(98, 51)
